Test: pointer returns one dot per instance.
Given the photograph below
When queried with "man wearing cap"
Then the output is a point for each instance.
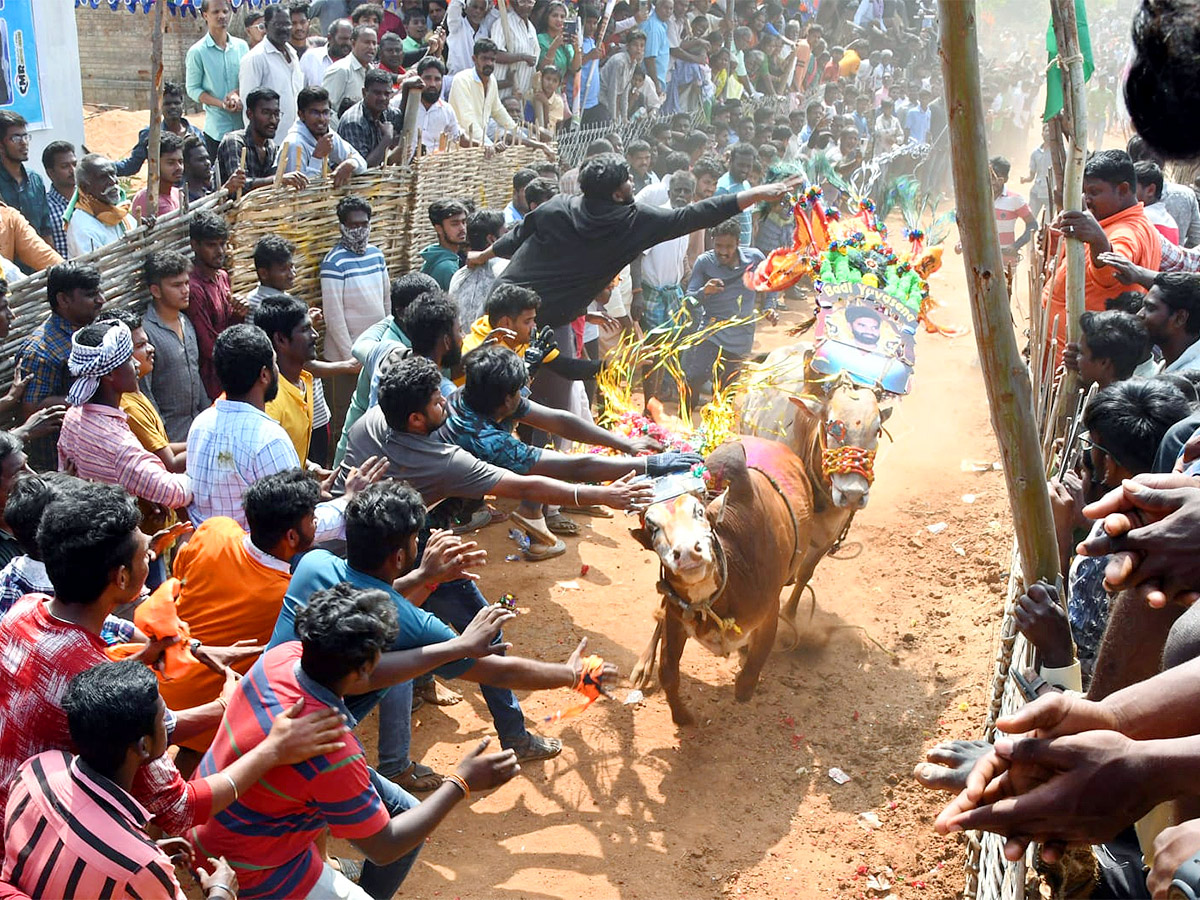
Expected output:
(96, 442)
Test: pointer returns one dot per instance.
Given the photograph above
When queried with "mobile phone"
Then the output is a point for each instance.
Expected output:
(571, 27)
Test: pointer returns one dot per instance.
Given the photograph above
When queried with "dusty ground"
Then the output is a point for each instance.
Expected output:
(742, 805)
(898, 657)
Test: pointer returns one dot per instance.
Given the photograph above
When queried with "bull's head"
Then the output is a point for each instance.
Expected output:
(680, 531)
(851, 420)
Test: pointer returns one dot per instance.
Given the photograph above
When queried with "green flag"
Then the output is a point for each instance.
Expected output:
(1054, 85)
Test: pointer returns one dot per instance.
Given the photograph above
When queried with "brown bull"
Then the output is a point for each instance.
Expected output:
(724, 565)
(834, 427)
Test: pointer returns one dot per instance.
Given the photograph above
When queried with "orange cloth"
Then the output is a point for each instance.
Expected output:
(157, 617)
(1133, 236)
(231, 591)
(20, 243)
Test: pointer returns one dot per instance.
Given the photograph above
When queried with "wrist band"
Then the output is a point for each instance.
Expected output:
(432, 586)
(459, 782)
(222, 887)
(232, 784)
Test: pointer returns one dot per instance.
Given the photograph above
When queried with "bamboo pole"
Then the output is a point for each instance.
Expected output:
(1010, 394)
(156, 82)
(1070, 62)
(408, 128)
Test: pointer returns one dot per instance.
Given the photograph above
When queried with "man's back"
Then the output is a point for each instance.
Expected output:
(74, 833)
(268, 834)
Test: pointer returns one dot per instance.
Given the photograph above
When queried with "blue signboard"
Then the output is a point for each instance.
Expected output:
(20, 85)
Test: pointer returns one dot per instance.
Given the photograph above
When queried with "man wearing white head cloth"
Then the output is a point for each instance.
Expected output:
(95, 440)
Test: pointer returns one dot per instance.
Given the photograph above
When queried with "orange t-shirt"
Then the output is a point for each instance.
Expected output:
(231, 591)
(1134, 237)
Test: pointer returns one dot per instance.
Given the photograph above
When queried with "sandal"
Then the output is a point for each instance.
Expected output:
(538, 552)
(437, 694)
(418, 701)
(560, 524)
(479, 518)
(596, 512)
(418, 779)
(350, 868)
(534, 747)
(535, 528)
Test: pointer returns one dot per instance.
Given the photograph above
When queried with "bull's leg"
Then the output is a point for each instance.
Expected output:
(803, 575)
(642, 676)
(761, 641)
(674, 637)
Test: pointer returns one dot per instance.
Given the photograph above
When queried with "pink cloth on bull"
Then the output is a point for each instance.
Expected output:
(775, 459)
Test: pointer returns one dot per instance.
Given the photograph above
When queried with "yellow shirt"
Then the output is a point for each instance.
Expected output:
(479, 332)
(293, 409)
(144, 421)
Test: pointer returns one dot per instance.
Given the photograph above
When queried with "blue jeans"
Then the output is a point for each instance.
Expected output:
(456, 603)
(395, 724)
(382, 882)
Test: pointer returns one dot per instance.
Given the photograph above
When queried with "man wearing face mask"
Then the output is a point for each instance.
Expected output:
(98, 215)
(354, 281)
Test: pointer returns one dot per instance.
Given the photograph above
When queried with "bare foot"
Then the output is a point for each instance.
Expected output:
(949, 763)
(438, 694)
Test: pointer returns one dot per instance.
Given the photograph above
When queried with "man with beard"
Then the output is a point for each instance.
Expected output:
(288, 324)
(198, 171)
(569, 249)
(1171, 313)
(234, 443)
(274, 64)
(101, 215)
(475, 98)
(310, 144)
(256, 145)
(864, 325)
(435, 117)
(339, 39)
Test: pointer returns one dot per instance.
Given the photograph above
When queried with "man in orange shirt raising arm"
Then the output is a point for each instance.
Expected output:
(1114, 221)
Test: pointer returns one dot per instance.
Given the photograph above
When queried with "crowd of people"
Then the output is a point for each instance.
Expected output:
(298, 481)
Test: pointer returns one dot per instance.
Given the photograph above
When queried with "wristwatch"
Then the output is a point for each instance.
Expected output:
(1186, 883)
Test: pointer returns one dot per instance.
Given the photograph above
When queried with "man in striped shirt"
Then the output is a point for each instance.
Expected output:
(96, 439)
(269, 834)
(1009, 206)
(74, 828)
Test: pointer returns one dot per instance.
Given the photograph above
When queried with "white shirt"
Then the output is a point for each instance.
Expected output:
(267, 67)
(86, 233)
(664, 264)
(433, 122)
(525, 40)
(343, 79)
(313, 64)
(461, 36)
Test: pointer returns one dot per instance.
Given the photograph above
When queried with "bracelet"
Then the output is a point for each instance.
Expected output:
(576, 495)
(232, 784)
(222, 887)
(224, 703)
(459, 782)
(432, 586)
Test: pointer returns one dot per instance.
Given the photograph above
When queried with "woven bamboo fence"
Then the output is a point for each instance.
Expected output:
(399, 197)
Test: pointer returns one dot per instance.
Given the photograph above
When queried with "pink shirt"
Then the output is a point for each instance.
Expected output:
(74, 833)
(1163, 221)
(168, 202)
(96, 440)
(1010, 208)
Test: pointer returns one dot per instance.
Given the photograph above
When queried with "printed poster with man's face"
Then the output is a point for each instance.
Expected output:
(20, 84)
(866, 334)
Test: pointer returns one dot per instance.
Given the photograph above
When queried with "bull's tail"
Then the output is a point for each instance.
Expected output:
(642, 676)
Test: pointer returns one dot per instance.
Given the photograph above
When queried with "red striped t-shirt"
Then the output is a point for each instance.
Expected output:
(1010, 208)
(268, 835)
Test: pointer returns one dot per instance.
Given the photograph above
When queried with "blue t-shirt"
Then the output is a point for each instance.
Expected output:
(735, 301)
(493, 442)
(320, 569)
(726, 185)
(591, 88)
(658, 47)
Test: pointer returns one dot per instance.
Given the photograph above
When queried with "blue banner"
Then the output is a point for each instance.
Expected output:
(20, 86)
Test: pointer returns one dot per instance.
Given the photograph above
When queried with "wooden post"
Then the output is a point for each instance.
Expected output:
(1006, 376)
(1074, 123)
(155, 136)
(408, 129)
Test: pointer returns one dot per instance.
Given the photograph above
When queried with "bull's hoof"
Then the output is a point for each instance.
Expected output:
(787, 635)
(642, 678)
(683, 718)
(743, 693)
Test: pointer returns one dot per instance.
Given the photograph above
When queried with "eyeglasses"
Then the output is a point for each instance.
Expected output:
(18, 138)
(1088, 445)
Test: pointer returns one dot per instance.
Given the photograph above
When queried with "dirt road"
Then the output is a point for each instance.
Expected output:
(898, 655)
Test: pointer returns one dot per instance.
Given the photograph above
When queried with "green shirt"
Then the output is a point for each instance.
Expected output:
(215, 71)
(562, 56)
